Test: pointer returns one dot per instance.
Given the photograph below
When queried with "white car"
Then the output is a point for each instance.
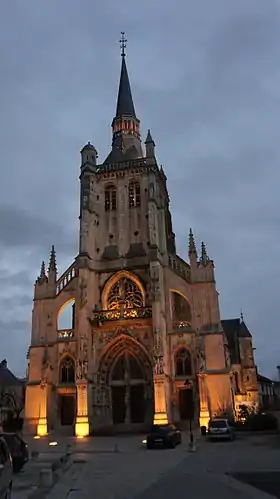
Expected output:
(220, 429)
(6, 471)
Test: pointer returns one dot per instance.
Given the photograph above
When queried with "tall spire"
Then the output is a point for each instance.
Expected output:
(125, 106)
(126, 142)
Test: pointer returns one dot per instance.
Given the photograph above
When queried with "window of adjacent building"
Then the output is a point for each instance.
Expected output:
(110, 198)
(134, 196)
(67, 370)
(183, 363)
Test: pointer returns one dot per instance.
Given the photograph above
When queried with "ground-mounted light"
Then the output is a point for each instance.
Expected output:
(144, 441)
(52, 444)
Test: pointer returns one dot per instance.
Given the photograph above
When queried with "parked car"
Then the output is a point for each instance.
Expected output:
(163, 436)
(6, 471)
(18, 450)
(220, 429)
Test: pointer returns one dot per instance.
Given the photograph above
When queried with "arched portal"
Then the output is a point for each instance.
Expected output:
(127, 371)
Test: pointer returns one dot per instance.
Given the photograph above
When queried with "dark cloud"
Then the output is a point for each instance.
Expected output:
(205, 79)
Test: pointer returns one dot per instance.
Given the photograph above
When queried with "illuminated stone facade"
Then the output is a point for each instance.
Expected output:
(146, 335)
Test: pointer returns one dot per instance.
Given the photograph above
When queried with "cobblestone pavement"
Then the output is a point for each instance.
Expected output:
(121, 468)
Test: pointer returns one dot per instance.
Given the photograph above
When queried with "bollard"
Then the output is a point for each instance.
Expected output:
(192, 446)
(46, 477)
(116, 448)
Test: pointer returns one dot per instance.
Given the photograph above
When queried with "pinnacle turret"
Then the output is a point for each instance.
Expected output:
(204, 256)
(43, 275)
(192, 246)
(150, 145)
(52, 264)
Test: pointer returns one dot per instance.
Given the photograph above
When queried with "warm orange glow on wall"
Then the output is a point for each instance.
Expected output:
(82, 426)
(160, 418)
(42, 427)
(204, 419)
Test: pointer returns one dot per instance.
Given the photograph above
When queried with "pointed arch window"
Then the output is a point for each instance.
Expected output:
(67, 370)
(124, 293)
(110, 198)
(134, 195)
(183, 363)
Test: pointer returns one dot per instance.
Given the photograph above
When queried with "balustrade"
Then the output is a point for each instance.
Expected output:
(65, 279)
(181, 324)
(127, 313)
(65, 334)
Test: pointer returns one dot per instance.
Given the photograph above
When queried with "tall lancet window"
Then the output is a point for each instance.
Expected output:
(110, 198)
(134, 194)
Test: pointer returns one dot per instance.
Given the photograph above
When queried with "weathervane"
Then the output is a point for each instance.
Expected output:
(123, 41)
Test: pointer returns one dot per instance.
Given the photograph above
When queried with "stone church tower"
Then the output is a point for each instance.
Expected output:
(146, 337)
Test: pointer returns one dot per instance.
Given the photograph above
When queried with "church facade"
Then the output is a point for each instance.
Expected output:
(146, 343)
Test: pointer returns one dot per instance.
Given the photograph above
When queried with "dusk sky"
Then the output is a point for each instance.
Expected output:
(205, 78)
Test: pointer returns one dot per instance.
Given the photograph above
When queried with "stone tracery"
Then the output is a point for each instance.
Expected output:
(124, 292)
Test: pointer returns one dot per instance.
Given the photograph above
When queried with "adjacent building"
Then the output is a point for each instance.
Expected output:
(243, 368)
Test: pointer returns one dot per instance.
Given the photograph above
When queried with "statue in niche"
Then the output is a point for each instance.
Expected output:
(83, 292)
(155, 283)
(151, 191)
(158, 366)
(201, 355)
(83, 348)
(81, 369)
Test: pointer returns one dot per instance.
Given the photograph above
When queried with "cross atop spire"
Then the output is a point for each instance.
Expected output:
(123, 41)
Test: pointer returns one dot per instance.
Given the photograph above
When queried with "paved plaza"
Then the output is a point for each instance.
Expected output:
(121, 468)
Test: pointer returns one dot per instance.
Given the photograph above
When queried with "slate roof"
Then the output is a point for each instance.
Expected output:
(235, 329)
(7, 378)
(264, 379)
(125, 106)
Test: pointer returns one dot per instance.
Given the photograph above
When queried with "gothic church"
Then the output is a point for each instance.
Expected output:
(146, 337)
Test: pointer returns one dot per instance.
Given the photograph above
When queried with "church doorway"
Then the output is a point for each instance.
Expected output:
(129, 387)
(186, 404)
(67, 410)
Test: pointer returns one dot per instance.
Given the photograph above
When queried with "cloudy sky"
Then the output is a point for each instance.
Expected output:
(205, 78)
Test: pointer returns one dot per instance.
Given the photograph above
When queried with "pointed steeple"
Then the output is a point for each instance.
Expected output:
(52, 264)
(126, 144)
(192, 246)
(125, 106)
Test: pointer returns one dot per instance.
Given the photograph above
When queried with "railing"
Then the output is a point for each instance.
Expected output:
(68, 275)
(113, 315)
(180, 267)
(65, 334)
(181, 324)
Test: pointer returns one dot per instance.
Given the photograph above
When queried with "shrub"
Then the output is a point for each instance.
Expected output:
(261, 422)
